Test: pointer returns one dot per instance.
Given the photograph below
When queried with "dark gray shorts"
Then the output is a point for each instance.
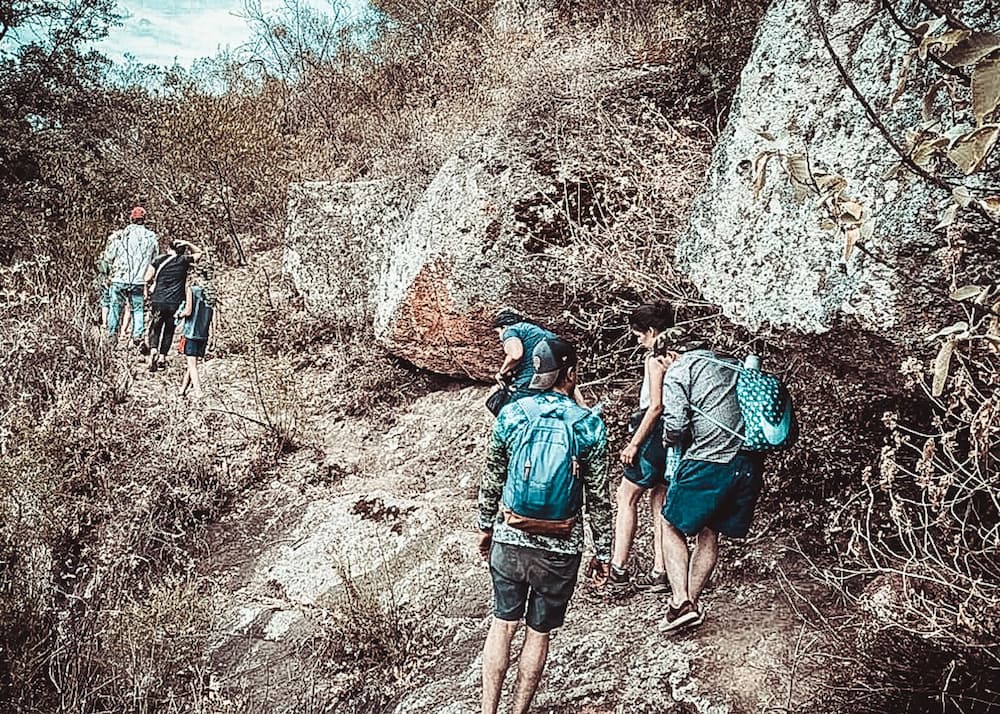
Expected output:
(539, 580)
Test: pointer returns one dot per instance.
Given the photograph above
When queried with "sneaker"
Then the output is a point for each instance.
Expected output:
(142, 347)
(680, 617)
(653, 581)
(152, 365)
(700, 611)
(618, 577)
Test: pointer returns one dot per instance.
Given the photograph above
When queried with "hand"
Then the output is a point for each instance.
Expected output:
(668, 358)
(597, 571)
(629, 453)
(485, 542)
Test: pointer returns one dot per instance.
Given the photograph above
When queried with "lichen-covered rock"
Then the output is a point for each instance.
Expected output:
(335, 239)
(450, 267)
(778, 257)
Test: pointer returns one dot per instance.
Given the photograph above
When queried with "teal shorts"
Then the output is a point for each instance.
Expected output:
(717, 496)
(646, 469)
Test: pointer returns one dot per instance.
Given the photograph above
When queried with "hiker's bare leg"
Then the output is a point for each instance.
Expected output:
(675, 554)
(126, 318)
(185, 382)
(703, 560)
(626, 498)
(496, 659)
(529, 669)
(656, 497)
(193, 374)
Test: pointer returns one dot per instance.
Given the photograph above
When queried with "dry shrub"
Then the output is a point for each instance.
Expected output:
(918, 546)
(103, 502)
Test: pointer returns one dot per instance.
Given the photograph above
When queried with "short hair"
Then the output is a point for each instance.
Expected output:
(507, 317)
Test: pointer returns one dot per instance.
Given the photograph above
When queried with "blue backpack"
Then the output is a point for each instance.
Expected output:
(769, 422)
(543, 493)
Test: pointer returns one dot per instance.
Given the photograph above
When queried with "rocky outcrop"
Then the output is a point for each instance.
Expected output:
(334, 239)
(799, 175)
(426, 276)
(451, 265)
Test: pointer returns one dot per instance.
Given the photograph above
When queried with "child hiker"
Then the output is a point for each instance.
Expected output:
(644, 458)
(194, 320)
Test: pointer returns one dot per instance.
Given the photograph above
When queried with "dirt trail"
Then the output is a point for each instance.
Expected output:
(359, 544)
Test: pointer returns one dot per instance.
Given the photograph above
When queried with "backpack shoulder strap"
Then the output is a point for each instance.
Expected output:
(722, 363)
(162, 266)
(529, 407)
(718, 423)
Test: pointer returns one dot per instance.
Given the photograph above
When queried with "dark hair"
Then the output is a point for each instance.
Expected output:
(657, 316)
(508, 317)
(179, 247)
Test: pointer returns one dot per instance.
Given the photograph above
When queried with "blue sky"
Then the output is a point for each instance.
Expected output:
(162, 31)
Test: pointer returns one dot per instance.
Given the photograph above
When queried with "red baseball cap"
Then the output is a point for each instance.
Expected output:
(137, 213)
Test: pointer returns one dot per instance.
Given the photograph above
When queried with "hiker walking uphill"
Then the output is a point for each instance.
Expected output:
(195, 320)
(168, 276)
(732, 413)
(519, 336)
(645, 458)
(546, 457)
(129, 254)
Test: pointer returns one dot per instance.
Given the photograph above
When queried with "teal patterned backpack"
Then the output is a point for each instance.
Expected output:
(769, 421)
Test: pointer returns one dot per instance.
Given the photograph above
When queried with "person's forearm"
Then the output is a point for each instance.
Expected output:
(595, 479)
(508, 365)
(491, 485)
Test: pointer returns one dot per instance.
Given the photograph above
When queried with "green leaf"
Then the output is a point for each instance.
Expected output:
(760, 171)
(941, 364)
(949, 41)
(962, 196)
(970, 150)
(965, 292)
(904, 72)
(947, 216)
(991, 204)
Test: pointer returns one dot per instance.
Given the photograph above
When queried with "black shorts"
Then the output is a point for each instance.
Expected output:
(539, 580)
(194, 348)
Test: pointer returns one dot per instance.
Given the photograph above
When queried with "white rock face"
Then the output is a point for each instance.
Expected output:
(449, 268)
(770, 260)
(334, 241)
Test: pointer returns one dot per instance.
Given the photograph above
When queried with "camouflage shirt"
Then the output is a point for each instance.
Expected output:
(593, 458)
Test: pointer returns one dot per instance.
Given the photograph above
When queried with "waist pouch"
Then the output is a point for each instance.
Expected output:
(538, 526)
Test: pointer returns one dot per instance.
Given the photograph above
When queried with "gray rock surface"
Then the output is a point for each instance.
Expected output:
(335, 239)
(450, 266)
(770, 260)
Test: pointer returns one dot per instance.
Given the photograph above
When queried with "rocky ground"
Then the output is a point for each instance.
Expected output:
(348, 579)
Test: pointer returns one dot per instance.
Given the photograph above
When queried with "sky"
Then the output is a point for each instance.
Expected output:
(164, 31)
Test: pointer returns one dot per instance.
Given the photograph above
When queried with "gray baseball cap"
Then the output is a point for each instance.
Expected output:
(549, 358)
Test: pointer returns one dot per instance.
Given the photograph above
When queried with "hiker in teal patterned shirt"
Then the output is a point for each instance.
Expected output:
(547, 457)
(519, 336)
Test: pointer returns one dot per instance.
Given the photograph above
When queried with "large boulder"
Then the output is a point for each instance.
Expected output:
(763, 242)
(452, 264)
(335, 239)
